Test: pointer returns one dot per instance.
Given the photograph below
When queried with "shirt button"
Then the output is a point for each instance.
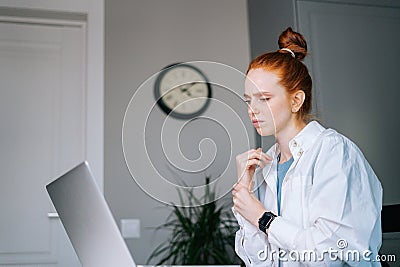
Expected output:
(299, 153)
(294, 143)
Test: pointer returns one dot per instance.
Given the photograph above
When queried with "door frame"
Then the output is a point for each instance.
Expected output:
(90, 15)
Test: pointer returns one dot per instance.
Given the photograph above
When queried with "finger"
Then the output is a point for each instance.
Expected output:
(236, 204)
(266, 159)
(254, 153)
(245, 154)
(237, 186)
(251, 187)
(250, 156)
(263, 155)
(243, 192)
(234, 191)
(253, 162)
(240, 187)
(258, 155)
(266, 156)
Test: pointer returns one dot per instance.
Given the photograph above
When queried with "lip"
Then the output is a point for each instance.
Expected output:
(256, 122)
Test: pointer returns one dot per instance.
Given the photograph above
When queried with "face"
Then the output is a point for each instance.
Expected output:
(268, 102)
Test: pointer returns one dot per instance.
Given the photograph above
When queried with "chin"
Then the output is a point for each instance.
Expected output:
(265, 131)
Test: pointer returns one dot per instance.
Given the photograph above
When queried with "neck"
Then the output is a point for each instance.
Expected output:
(285, 135)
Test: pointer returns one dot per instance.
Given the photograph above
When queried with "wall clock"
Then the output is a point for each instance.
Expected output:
(182, 91)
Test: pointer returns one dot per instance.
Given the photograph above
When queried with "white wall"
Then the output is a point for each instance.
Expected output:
(141, 38)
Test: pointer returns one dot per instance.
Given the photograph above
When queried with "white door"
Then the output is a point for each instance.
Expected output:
(355, 64)
(42, 134)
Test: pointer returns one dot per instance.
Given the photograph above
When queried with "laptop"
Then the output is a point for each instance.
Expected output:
(88, 220)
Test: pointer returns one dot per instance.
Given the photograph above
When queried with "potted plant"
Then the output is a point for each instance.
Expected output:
(202, 233)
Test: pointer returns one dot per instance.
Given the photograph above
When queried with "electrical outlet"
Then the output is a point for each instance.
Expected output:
(130, 228)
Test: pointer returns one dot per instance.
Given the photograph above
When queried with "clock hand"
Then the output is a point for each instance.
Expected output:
(185, 90)
(191, 84)
(186, 86)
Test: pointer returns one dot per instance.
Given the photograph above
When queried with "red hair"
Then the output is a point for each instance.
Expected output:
(292, 72)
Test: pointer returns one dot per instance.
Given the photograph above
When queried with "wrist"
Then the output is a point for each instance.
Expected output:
(265, 221)
(259, 215)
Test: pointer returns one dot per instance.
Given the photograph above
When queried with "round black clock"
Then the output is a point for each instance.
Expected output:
(182, 91)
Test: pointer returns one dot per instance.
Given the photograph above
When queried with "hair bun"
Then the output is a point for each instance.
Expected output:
(293, 41)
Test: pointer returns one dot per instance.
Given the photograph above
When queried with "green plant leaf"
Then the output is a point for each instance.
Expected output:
(202, 233)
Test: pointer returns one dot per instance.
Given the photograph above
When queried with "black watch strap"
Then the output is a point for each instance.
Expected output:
(265, 221)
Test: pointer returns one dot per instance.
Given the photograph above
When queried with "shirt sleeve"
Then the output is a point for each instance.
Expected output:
(251, 245)
(345, 204)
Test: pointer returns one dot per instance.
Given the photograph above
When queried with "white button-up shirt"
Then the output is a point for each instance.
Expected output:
(330, 206)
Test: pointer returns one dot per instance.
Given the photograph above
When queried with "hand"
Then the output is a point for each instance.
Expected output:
(246, 164)
(185, 87)
(246, 203)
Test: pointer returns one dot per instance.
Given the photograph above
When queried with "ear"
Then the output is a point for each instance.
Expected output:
(297, 100)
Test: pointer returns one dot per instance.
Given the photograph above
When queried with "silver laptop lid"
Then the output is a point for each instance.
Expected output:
(88, 220)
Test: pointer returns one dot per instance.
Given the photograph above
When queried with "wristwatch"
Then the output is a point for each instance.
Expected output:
(265, 221)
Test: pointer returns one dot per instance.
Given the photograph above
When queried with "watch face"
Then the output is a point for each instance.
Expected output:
(182, 91)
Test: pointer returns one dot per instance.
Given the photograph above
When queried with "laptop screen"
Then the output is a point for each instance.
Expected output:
(88, 220)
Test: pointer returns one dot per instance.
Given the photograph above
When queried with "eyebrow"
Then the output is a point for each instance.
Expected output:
(259, 94)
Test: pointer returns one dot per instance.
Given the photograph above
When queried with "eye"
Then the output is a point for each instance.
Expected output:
(247, 101)
(265, 98)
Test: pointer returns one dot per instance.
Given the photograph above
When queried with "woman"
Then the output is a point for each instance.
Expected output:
(317, 200)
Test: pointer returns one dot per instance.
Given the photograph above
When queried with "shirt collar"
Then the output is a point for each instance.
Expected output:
(303, 140)
(298, 144)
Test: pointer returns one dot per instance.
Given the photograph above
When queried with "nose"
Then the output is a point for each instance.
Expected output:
(252, 109)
